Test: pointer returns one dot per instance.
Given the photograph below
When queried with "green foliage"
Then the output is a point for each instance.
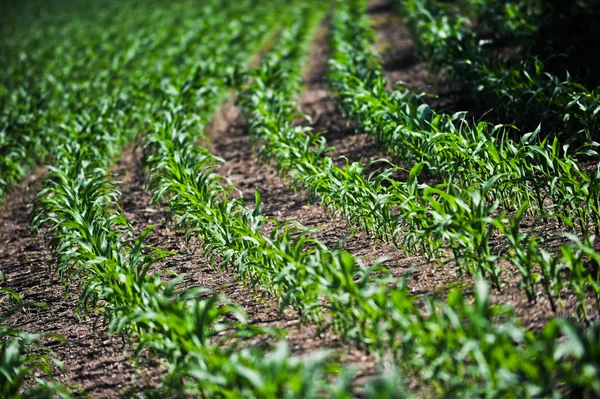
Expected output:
(166, 79)
(523, 92)
(101, 73)
(26, 364)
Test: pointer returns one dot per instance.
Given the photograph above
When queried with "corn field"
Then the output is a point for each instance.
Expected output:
(299, 199)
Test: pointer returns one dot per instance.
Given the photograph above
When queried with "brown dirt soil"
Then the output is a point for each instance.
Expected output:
(400, 63)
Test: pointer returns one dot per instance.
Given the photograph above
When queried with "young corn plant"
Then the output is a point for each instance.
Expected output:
(26, 364)
(582, 263)
(524, 91)
(465, 223)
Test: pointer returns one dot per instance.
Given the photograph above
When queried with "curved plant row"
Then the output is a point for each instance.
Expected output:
(199, 336)
(363, 307)
(482, 175)
(104, 122)
(525, 91)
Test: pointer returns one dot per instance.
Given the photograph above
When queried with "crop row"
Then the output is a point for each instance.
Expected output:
(450, 346)
(199, 336)
(481, 175)
(360, 306)
(524, 91)
(52, 90)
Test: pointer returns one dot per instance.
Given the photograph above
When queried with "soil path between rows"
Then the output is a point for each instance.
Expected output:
(401, 64)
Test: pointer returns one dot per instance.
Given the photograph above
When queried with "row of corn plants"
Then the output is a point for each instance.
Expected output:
(448, 345)
(427, 345)
(363, 308)
(46, 84)
(199, 336)
(482, 175)
(268, 102)
(184, 175)
(524, 91)
(98, 199)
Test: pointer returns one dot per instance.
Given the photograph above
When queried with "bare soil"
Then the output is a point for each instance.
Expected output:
(401, 64)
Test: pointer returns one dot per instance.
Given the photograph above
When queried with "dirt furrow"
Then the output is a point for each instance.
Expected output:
(395, 45)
